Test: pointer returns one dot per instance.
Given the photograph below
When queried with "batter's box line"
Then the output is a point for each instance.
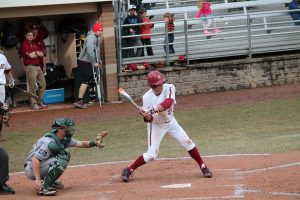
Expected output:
(274, 193)
(177, 158)
(269, 168)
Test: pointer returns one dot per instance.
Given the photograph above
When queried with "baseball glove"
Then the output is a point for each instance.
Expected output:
(5, 112)
(99, 139)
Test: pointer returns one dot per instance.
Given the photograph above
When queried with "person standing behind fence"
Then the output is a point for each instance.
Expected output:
(133, 19)
(169, 21)
(146, 31)
(89, 57)
(295, 4)
(205, 12)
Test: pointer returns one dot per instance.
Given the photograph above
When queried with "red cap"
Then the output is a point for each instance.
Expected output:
(97, 27)
(133, 67)
(147, 65)
(181, 58)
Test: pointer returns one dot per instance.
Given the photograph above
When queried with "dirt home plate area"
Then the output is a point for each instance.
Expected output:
(237, 176)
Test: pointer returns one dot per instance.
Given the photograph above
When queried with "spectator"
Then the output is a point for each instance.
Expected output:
(208, 20)
(132, 19)
(169, 21)
(39, 40)
(5, 71)
(295, 4)
(30, 53)
(48, 158)
(4, 176)
(146, 32)
(139, 4)
(89, 57)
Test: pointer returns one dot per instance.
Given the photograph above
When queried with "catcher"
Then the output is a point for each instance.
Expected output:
(49, 158)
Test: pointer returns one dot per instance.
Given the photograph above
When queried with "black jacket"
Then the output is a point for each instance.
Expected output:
(132, 20)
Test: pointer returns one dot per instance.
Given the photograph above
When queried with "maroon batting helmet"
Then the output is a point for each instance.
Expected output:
(155, 78)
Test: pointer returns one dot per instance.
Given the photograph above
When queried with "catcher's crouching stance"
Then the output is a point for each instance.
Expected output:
(49, 158)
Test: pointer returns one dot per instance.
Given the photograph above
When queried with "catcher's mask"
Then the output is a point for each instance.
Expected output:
(64, 123)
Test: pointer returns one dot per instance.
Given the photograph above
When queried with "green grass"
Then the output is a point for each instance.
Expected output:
(264, 127)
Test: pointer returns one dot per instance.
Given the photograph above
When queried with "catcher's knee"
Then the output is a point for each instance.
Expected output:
(63, 161)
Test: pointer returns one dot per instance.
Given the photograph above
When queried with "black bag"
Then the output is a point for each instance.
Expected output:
(55, 74)
(9, 37)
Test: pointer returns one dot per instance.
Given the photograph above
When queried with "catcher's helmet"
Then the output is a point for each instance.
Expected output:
(63, 123)
(155, 78)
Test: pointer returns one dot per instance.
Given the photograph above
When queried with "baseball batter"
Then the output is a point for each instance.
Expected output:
(49, 158)
(5, 71)
(158, 113)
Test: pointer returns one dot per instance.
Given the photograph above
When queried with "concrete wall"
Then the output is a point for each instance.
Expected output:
(220, 76)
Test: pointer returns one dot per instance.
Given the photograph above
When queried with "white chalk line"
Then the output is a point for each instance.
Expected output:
(269, 168)
(285, 194)
(207, 198)
(161, 159)
(274, 193)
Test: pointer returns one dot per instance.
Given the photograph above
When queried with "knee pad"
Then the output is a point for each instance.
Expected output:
(63, 160)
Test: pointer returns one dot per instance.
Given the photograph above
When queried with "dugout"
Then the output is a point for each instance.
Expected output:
(63, 46)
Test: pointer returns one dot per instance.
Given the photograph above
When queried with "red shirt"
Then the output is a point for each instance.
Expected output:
(171, 26)
(26, 48)
(146, 28)
(41, 47)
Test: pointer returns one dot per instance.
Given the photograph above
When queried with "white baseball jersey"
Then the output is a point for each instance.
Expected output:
(150, 99)
(4, 65)
(163, 123)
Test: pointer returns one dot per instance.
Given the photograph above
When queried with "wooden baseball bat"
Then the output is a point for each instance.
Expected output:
(24, 91)
(128, 97)
(27, 93)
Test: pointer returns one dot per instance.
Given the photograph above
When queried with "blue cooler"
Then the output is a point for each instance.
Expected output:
(54, 96)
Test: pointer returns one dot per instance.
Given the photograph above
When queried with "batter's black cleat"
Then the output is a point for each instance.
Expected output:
(126, 173)
(206, 172)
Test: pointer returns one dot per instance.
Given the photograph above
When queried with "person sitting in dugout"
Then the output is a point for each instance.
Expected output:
(49, 158)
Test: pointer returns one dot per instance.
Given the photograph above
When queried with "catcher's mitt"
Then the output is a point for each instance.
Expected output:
(5, 112)
(99, 139)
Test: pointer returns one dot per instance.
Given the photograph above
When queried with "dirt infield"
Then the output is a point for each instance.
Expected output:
(235, 176)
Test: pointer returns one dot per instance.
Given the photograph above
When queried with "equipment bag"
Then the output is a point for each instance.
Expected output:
(9, 37)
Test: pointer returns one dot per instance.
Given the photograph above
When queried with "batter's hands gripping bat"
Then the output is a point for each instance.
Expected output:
(126, 95)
